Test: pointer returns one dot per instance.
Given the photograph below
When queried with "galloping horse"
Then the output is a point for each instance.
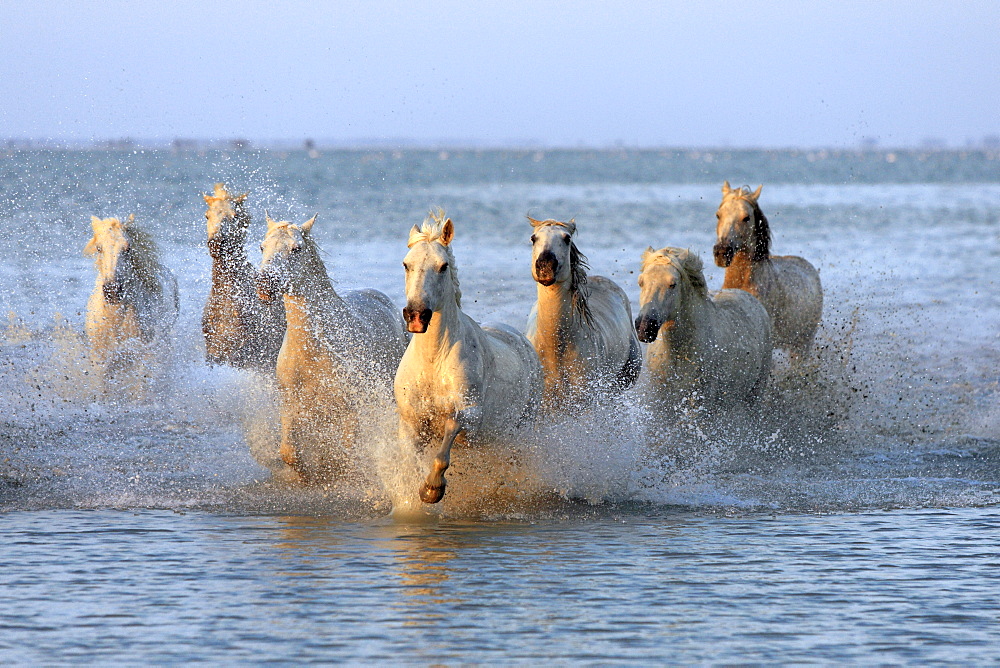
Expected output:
(581, 326)
(338, 356)
(239, 328)
(456, 379)
(134, 303)
(718, 349)
(787, 286)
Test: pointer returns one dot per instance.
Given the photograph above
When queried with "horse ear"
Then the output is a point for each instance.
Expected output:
(756, 193)
(270, 221)
(647, 253)
(447, 232)
(95, 223)
(91, 247)
(129, 220)
(571, 225)
(534, 223)
(725, 188)
(208, 198)
(241, 198)
(306, 227)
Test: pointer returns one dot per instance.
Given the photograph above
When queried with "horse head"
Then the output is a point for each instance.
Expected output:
(431, 277)
(111, 248)
(741, 226)
(227, 219)
(283, 257)
(552, 251)
(668, 278)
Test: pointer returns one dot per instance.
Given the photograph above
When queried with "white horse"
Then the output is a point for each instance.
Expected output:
(788, 286)
(134, 303)
(456, 379)
(581, 326)
(338, 356)
(716, 348)
(239, 328)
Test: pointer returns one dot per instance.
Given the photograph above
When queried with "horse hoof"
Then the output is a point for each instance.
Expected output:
(431, 493)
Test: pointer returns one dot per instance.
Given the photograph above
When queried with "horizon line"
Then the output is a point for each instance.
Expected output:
(180, 144)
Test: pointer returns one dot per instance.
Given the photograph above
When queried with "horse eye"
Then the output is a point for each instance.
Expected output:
(533, 238)
(641, 281)
(296, 249)
(442, 268)
(718, 216)
(406, 267)
(746, 219)
(262, 248)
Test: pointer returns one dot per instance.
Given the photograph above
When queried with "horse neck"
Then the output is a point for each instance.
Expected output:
(311, 295)
(555, 309)
(690, 310)
(745, 273)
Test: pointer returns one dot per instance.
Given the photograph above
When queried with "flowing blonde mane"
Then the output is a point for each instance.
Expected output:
(761, 228)
(578, 267)
(689, 264)
(432, 229)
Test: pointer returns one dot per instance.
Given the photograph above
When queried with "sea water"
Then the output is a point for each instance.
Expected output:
(852, 518)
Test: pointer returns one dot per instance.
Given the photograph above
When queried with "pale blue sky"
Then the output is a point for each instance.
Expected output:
(498, 73)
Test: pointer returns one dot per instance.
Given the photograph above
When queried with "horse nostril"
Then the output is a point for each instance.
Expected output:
(723, 254)
(416, 319)
(546, 266)
(267, 286)
(646, 329)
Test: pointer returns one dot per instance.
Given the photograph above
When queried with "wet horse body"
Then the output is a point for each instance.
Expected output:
(580, 325)
(714, 348)
(337, 358)
(240, 330)
(789, 287)
(134, 303)
(457, 381)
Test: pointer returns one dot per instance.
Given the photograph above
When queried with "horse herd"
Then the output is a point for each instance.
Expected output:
(335, 355)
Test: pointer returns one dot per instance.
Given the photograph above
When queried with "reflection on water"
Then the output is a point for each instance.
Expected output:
(639, 583)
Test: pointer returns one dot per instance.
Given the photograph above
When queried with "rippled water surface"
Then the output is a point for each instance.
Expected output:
(600, 586)
(851, 517)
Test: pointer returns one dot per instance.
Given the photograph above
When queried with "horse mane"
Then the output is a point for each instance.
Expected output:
(761, 228)
(431, 230)
(689, 264)
(145, 258)
(578, 267)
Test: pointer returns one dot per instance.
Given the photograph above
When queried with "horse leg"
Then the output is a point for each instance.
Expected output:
(291, 434)
(432, 490)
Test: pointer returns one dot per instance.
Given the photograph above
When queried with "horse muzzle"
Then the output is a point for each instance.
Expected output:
(417, 319)
(545, 268)
(647, 327)
(113, 293)
(268, 286)
(723, 254)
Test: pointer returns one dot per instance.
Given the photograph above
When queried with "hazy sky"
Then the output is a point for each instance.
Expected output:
(782, 73)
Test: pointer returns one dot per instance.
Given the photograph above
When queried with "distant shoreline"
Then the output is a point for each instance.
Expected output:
(989, 146)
